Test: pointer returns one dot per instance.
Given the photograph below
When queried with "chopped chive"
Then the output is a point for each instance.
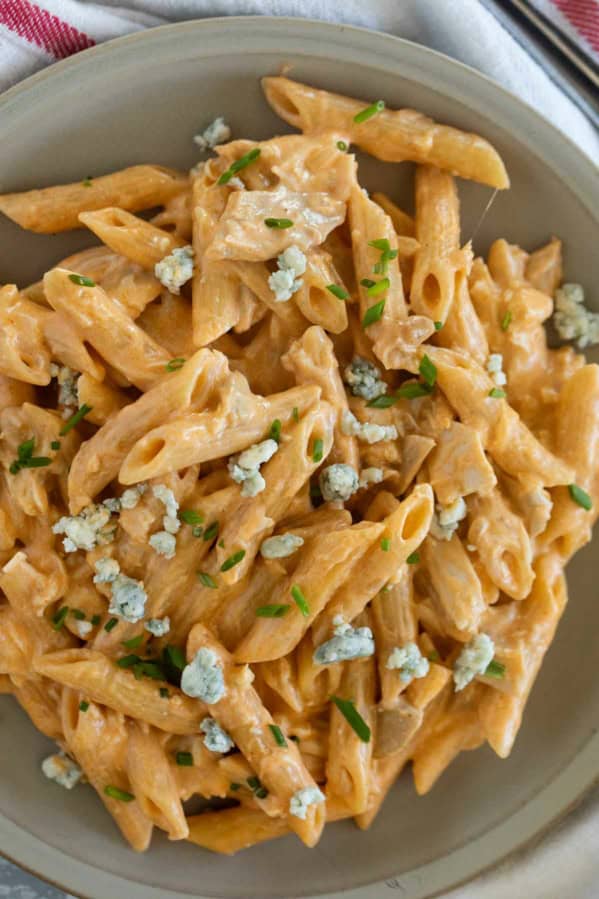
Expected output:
(115, 793)
(134, 642)
(438, 326)
(221, 543)
(87, 182)
(272, 611)
(253, 783)
(149, 669)
(112, 622)
(338, 291)
(318, 450)
(25, 449)
(163, 692)
(185, 759)
(300, 600)
(385, 544)
(233, 560)
(413, 391)
(381, 243)
(59, 618)
(175, 364)
(373, 314)
(315, 492)
(235, 786)
(495, 669)
(369, 111)
(197, 531)
(83, 705)
(26, 459)
(295, 413)
(128, 661)
(278, 735)
(95, 620)
(506, 320)
(413, 558)
(174, 655)
(580, 496)
(55, 445)
(367, 282)
(14, 467)
(238, 165)
(428, 371)
(261, 793)
(74, 420)
(497, 393)
(349, 711)
(281, 224)
(82, 281)
(190, 516)
(207, 580)
(35, 462)
(384, 401)
(341, 145)
(434, 656)
(78, 614)
(275, 430)
(211, 531)
(378, 287)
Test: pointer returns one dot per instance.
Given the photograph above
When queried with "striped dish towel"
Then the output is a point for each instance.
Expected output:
(579, 19)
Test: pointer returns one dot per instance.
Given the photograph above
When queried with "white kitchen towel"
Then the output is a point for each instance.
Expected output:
(33, 35)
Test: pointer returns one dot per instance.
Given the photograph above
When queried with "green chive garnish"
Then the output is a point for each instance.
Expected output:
(382, 402)
(300, 600)
(438, 326)
(233, 560)
(261, 793)
(82, 281)
(281, 224)
(55, 445)
(78, 614)
(175, 364)
(295, 413)
(134, 642)
(128, 661)
(275, 430)
(367, 282)
(95, 620)
(580, 496)
(34, 462)
(235, 786)
(74, 420)
(115, 793)
(341, 145)
(413, 391)
(238, 165)
(253, 783)
(338, 291)
(190, 516)
(278, 735)
(163, 692)
(352, 716)
(174, 655)
(380, 243)
(428, 371)
(83, 706)
(112, 622)
(373, 314)
(207, 580)
(495, 669)
(385, 544)
(506, 320)
(211, 531)
(413, 558)
(318, 450)
(272, 611)
(369, 112)
(434, 656)
(497, 393)
(379, 287)
(221, 543)
(59, 618)
(26, 459)
(185, 759)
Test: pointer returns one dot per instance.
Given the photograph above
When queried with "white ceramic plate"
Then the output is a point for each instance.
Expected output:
(142, 98)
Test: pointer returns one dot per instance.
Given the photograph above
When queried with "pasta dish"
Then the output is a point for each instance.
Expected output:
(288, 476)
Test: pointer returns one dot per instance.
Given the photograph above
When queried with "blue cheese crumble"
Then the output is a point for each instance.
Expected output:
(203, 678)
(245, 468)
(132, 495)
(446, 519)
(62, 770)
(107, 571)
(303, 799)
(158, 627)
(338, 482)
(176, 269)
(370, 476)
(572, 320)
(67, 388)
(286, 280)
(128, 598)
(92, 527)
(366, 431)
(216, 739)
(164, 544)
(474, 659)
(409, 661)
(495, 369)
(364, 379)
(281, 546)
(347, 643)
(217, 132)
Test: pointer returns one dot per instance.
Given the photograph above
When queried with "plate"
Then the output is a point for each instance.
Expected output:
(140, 99)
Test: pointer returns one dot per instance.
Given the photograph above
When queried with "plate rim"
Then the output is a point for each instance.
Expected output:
(582, 182)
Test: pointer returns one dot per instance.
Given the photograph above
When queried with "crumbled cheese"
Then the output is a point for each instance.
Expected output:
(286, 280)
(409, 660)
(164, 544)
(203, 678)
(338, 482)
(88, 529)
(245, 468)
(131, 496)
(83, 628)
(62, 770)
(107, 571)
(348, 643)
(175, 270)
(367, 431)
(281, 546)
(167, 498)
(302, 799)
(216, 739)
(446, 519)
(572, 320)
(495, 369)
(67, 387)
(128, 598)
(217, 132)
(158, 627)
(113, 504)
(370, 476)
(474, 659)
(364, 379)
